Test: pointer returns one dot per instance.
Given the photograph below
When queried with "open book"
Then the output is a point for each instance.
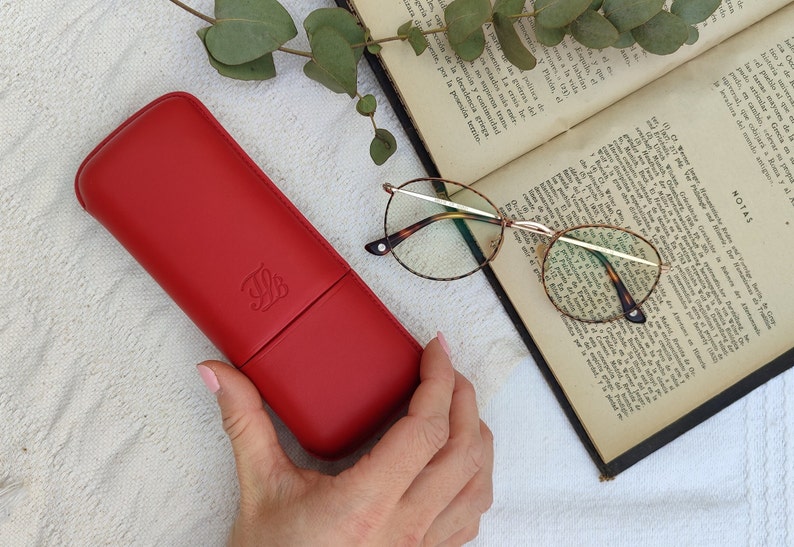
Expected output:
(695, 151)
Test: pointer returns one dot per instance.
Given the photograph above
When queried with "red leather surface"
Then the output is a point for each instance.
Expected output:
(181, 196)
(371, 376)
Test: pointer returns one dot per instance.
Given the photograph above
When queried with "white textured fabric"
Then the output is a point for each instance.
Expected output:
(108, 435)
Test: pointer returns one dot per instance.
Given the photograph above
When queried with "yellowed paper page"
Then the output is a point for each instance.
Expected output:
(702, 163)
(476, 116)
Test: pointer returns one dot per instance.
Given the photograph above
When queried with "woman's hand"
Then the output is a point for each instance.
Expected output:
(428, 481)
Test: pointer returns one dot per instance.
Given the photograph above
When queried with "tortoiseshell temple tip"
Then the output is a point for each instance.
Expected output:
(635, 316)
(378, 247)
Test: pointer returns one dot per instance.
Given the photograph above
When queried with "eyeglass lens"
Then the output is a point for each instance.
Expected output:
(588, 284)
(437, 247)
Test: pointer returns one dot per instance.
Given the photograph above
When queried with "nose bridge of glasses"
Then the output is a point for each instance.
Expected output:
(531, 226)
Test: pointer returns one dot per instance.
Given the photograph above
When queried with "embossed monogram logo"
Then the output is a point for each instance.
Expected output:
(264, 288)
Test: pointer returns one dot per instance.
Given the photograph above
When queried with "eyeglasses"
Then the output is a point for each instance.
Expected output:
(591, 273)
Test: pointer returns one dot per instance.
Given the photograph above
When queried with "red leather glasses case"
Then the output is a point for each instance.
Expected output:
(182, 197)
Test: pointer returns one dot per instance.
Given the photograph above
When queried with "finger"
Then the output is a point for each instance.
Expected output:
(406, 448)
(462, 537)
(456, 524)
(257, 451)
(462, 458)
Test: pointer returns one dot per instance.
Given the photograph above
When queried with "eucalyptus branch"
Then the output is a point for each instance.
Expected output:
(337, 38)
(398, 37)
(295, 52)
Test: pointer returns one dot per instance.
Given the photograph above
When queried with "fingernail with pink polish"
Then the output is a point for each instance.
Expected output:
(443, 342)
(209, 378)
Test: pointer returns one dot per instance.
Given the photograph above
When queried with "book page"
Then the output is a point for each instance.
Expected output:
(700, 162)
(476, 116)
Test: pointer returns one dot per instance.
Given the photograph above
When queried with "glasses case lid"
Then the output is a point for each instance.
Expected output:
(207, 224)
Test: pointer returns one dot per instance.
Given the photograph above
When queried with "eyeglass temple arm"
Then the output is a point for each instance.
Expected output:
(631, 310)
(385, 244)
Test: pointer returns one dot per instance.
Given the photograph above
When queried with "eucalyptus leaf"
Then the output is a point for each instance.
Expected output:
(341, 20)
(508, 7)
(263, 68)
(367, 105)
(382, 147)
(465, 19)
(504, 24)
(625, 40)
(333, 62)
(314, 72)
(403, 29)
(629, 14)
(694, 11)
(549, 37)
(664, 34)
(513, 48)
(417, 40)
(472, 48)
(413, 36)
(245, 30)
(234, 42)
(694, 35)
(559, 13)
(593, 30)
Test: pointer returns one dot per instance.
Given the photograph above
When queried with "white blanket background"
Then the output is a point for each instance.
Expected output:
(108, 436)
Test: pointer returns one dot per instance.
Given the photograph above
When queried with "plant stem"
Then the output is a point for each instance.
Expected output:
(434, 30)
(396, 38)
(295, 52)
(374, 42)
(190, 10)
